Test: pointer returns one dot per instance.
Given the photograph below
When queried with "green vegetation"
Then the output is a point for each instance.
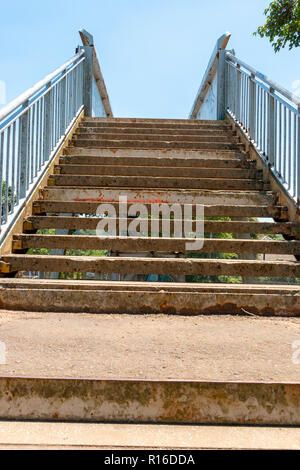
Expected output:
(283, 24)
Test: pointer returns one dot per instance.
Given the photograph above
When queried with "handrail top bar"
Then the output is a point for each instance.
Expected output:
(24, 97)
(220, 45)
(283, 91)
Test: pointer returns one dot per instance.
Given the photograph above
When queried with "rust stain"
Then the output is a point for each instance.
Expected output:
(130, 201)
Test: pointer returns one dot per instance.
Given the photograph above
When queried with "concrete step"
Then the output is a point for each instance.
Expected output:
(210, 138)
(157, 182)
(140, 298)
(158, 162)
(157, 131)
(167, 369)
(131, 265)
(171, 123)
(167, 196)
(91, 207)
(147, 144)
(210, 226)
(156, 245)
(20, 435)
(154, 369)
(149, 401)
(154, 155)
(136, 171)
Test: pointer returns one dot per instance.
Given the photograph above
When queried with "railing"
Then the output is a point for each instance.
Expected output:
(33, 127)
(268, 114)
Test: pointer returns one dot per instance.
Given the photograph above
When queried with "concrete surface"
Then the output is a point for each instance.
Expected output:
(42, 435)
(151, 347)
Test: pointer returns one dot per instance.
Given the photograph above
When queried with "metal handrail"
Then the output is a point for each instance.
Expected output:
(278, 88)
(32, 92)
(270, 117)
(268, 114)
(34, 126)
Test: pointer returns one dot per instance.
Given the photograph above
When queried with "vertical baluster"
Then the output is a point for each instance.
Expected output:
(284, 144)
(271, 128)
(238, 93)
(18, 172)
(33, 144)
(24, 151)
(72, 95)
(13, 168)
(76, 89)
(47, 139)
(275, 135)
(40, 130)
(63, 105)
(289, 149)
(294, 162)
(260, 94)
(280, 141)
(252, 108)
(1, 174)
(298, 158)
(55, 89)
(7, 170)
(256, 114)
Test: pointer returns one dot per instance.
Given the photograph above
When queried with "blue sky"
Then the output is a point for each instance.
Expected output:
(153, 53)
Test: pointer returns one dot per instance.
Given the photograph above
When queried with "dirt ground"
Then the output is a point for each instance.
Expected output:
(151, 347)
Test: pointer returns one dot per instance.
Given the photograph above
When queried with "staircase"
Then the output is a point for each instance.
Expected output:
(154, 162)
(160, 220)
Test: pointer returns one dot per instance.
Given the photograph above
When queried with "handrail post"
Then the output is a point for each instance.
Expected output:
(238, 92)
(221, 86)
(24, 151)
(271, 128)
(297, 169)
(47, 135)
(252, 103)
(88, 80)
(63, 104)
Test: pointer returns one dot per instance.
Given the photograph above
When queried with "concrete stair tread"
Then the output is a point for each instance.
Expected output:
(213, 226)
(151, 121)
(140, 298)
(17, 435)
(156, 172)
(156, 154)
(144, 265)
(146, 347)
(156, 182)
(168, 245)
(147, 144)
(226, 138)
(157, 162)
(90, 207)
(150, 131)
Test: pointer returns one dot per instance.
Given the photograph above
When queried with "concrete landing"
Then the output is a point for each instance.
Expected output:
(79, 436)
(149, 347)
